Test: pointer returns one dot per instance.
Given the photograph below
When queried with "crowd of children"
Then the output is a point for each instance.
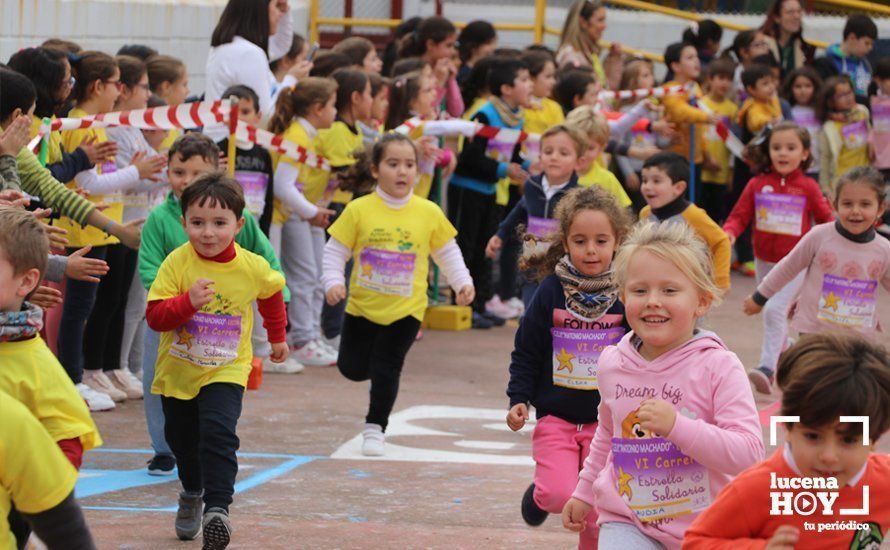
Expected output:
(336, 262)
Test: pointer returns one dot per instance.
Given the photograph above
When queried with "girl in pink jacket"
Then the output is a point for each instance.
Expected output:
(676, 418)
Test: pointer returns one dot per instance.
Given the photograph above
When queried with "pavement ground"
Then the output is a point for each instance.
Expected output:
(453, 476)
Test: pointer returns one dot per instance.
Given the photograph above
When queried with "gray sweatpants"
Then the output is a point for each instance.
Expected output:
(134, 326)
(302, 248)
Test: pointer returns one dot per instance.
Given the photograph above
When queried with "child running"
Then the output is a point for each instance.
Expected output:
(575, 313)
(392, 233)
(676, 418)
(201, 302)
(781, 202)
(844, 261)
(822, 377)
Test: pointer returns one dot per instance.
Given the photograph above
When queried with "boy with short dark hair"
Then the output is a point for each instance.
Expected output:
(849, 57)
(717, 169)
(253, 164)
(762, 106)
(190, 156)
(482, 164)
(822, 376)
(665, 178)
(201, 301)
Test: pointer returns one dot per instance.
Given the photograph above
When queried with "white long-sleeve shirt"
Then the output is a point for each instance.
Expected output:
(285, 187)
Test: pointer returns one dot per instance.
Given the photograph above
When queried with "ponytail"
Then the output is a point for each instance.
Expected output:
(403, 89)
(435, 28)
(295, 101)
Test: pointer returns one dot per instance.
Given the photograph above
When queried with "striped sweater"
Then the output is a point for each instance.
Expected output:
(37, 181)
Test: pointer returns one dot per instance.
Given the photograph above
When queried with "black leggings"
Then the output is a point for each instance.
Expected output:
(376, 352)
(105, 327)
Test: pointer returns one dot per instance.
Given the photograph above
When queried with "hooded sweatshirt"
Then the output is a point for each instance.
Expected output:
(716, 435)
(783, 210)
(858, 68)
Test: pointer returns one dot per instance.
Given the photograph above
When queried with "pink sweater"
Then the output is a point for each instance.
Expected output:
(840, 288)
(716, 435)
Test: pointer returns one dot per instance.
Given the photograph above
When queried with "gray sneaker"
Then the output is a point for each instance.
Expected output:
(217, 529)
(188, 516)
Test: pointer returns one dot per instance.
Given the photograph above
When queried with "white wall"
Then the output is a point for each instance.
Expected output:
(182, 28)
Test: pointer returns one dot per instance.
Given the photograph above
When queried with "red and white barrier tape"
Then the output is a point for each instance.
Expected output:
(641, 93)
(273, 142)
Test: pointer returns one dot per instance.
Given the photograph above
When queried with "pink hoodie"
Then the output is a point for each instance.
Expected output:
(716, 435)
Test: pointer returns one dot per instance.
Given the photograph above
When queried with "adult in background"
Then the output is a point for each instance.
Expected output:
(249, 35)
(783, 29)
(579, 44)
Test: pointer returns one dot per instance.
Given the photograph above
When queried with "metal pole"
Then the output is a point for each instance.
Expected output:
(540, 20)
(313, 21)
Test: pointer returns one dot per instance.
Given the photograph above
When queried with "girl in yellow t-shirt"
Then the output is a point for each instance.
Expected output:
(413, 95)
(298, 225)
(391, 233)
(843, 142)
(544, 112)
(169, 81)
(87, 338)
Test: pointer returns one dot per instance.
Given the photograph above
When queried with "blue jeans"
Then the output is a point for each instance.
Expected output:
(154, 410)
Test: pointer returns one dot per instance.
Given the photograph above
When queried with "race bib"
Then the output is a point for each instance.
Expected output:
(500, 151)
(541, 227)
(108, 167)
(848, 302)
(386, 272)
(658, 481)
(254, 185)
(880, 113)
(208, 340)
(576, 355)
(855, 134)
(532, 149)
(780, 214)
(643, 139)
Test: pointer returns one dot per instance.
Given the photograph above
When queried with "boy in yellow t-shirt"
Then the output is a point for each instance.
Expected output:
(201, 300)
(590, 171)
(31, 374)
(717, 167)
(38, 481)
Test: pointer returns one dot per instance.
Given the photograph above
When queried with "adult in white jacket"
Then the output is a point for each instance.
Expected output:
(249, 35)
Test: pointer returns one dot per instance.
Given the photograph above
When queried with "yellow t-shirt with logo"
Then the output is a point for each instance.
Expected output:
(391, 249)
(715, 147)
(854, 145)
(34, 474)
(214, 345)
(82, 236)
(597, 175)
(172, 135)
(312, 182)
(54, 149)
(543, 115)
(339, 145)
(32, 375)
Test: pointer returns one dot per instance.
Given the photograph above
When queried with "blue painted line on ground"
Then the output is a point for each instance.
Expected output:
(97, 482)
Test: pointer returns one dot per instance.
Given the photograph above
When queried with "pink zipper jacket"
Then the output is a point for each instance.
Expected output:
(716, 435)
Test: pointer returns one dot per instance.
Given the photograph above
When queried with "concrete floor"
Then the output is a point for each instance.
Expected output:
(453, 477)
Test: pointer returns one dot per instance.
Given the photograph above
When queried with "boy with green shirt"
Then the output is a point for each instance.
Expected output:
(190, 156)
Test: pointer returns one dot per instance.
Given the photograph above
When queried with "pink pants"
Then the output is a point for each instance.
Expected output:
(559, 449)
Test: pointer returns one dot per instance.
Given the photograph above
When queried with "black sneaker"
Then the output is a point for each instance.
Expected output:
(481, 322)
(188, 516)
(495, 320)
(161, 465)
(532, 515)
(217, 529)
(762, 379)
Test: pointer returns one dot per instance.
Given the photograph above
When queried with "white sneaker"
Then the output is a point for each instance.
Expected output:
(124, 380)
(499, 309)
(314, 354)
(373, 440)
(333, 344)
(97, 380)
(517, 305)
(289, 366)
(96, 401)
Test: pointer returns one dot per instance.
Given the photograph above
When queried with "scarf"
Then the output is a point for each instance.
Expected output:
(20, 325)
(586, 297)
(509, 116)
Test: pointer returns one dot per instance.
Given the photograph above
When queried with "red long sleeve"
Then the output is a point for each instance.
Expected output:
(73, 451)
(169, 314)
(274, 317)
